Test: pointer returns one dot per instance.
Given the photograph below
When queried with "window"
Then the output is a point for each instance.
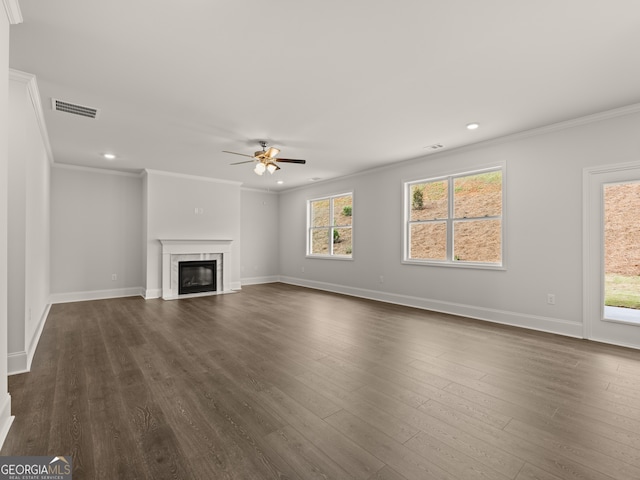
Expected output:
(329, 226)
(455, 220)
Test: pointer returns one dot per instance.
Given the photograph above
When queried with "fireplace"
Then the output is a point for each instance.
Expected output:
(216, 258)
(196, 276)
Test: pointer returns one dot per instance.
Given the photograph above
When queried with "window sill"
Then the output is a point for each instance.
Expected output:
(330, 257)
(476, 266)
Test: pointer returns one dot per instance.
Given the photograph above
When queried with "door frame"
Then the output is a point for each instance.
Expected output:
(594, 326)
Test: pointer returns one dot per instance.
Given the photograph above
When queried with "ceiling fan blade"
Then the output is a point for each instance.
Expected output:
(239, 163)
(236, 153)
(290, 160)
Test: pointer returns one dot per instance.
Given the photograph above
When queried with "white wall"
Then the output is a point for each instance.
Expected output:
(171, 202)
(96, 232)
(28, 239)
(12, 16)
(260, 253)
(543, 227)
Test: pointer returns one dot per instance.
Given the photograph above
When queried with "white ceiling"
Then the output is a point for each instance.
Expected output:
(348, 85)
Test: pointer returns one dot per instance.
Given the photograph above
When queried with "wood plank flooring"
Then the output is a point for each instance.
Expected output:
(279, 381)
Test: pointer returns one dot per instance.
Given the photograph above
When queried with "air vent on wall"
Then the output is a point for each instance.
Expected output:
(62, 106)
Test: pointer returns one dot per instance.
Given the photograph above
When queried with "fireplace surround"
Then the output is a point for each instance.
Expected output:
(176, 251)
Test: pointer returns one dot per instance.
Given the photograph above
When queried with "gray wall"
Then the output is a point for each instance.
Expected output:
(96, 231)
(102, 221)
(543, 221)
(260, 254)
(5, 398)
(28, 240)
(171, 202)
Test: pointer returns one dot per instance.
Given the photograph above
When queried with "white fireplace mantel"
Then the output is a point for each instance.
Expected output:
(174, 251)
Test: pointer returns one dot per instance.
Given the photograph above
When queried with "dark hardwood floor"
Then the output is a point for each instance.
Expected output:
(285, 382)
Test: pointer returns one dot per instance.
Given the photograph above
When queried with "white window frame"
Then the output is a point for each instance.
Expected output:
(450, 220)
(331, 255)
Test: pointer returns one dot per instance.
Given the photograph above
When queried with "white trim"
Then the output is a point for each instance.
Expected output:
(20, 362)
(259, 280)
(595, 326)
(34, 94)
(37, 334)
(331, 198)
(12, 7)
(500, 166)
(191, 177)
(258, 190)
(532, 322)
(201, 249)
(102, 171)
(152, 293)
(17, 363)
(6, 419)
(532, 132)
(96, 295)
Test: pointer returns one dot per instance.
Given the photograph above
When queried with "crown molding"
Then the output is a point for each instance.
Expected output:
(533, 132)
(259, 190)
(148, 171)
(574, 122)
(97, 170)
(13, 11)
(34, 93)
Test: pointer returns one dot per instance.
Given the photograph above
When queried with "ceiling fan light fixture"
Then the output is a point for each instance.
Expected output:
(271, 168)
(260, 168)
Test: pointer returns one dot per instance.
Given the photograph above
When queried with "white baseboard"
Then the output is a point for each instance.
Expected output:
(20, 362)
(152, 293)
(36, 335)
(259, 280)
(96, 295)
(5, 416)
(532, 322)
(17, 362)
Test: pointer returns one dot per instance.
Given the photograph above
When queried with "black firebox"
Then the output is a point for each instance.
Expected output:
(196, 276)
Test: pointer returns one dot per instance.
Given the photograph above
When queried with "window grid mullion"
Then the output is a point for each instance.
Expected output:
(450, 200)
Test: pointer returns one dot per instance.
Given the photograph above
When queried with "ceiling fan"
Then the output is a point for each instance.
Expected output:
(265, 159)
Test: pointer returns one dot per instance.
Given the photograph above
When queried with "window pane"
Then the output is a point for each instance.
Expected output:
(320, 241)
(429, 200)
(342, 210)
(320, 213)
(342, 241)
(477, 241)
(478, 195)
(428, 241)
(621, 245)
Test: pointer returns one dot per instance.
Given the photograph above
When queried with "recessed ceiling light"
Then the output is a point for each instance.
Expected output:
(280, 182)
(315, 179)
(472, 126)
(109, 156)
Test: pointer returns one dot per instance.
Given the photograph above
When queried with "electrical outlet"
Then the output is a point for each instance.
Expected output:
(551, 299)
(114, 277)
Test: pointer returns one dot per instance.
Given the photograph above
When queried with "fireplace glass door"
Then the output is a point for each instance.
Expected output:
(196, 276)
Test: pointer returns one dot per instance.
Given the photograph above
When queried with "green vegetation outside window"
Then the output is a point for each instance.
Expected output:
(455, 219)
(330, 226)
